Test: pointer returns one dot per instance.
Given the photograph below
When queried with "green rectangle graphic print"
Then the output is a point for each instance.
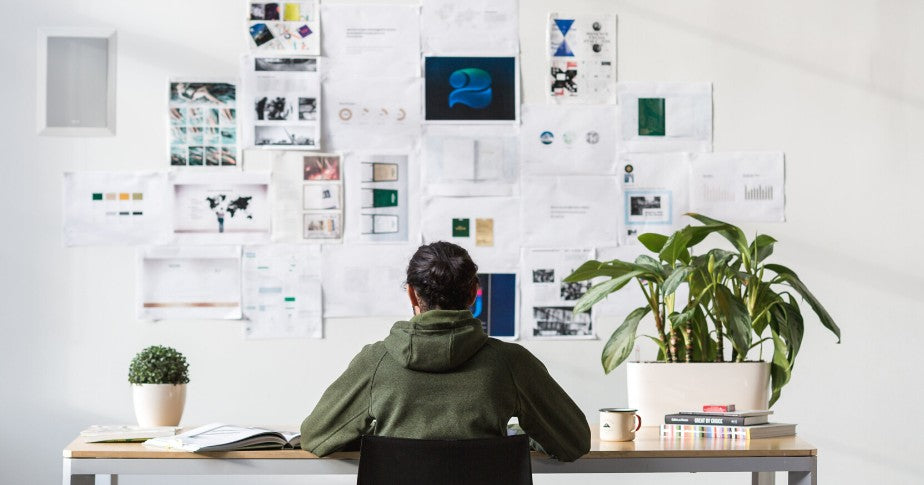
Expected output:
(384, 198)
(460, 228)
(651, 116)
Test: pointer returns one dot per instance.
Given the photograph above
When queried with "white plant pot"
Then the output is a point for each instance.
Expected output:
(659, 388)
(159, 404)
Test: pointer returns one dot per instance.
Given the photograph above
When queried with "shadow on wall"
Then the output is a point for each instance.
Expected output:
(757, 50)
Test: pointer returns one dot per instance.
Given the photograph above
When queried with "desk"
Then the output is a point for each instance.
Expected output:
(647, 454)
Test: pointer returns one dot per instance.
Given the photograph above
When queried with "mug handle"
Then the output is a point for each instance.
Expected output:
(639, 419)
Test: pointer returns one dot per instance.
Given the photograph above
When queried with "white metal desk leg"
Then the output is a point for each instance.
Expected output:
(113, 480)
(71, 479)
(763, 478)
(805, 478)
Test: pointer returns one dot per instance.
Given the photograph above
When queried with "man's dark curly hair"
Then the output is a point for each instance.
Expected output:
(443, 275)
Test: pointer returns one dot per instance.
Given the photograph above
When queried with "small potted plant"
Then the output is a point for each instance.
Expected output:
(712, 312)
(158, 376)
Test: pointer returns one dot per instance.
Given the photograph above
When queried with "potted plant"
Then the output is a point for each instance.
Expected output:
(711, 312)
(158, 376)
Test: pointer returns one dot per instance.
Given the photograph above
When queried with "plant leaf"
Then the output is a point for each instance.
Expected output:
(678, 276)
(675, 249)
(734, 314)
(593, 269)
(792, 280)
(762, 247)
(662, 347)
(653, 241)
(619, 346)
(733, 234)
(599, 291)
(780, 369)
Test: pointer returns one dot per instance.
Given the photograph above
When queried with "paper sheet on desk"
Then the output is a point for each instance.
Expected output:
(548, 301)
(189, 282)
(282, 291)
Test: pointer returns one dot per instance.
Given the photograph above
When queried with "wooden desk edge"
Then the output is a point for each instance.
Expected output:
(78, 449)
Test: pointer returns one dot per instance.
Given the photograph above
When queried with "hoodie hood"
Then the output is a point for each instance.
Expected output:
(436, 341)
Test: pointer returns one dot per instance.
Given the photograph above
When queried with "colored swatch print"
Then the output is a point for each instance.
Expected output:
(651, 117)
(460, 227)
(109, 204)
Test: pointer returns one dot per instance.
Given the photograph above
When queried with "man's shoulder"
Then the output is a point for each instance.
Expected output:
(508, 349)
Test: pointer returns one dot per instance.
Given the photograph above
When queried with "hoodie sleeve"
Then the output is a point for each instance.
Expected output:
(545, 411)
(342, 414)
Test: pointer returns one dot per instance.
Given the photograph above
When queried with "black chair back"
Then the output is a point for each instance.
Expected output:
(487, 461)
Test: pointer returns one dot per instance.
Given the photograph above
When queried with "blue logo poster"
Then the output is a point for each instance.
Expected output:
(495, 303)
(470, 88)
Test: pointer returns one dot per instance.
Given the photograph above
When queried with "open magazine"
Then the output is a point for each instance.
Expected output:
(225, 437)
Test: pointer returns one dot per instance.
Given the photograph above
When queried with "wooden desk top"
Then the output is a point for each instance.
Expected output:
(647, 444)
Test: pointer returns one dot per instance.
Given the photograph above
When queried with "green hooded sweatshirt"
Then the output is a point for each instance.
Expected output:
(439, 376)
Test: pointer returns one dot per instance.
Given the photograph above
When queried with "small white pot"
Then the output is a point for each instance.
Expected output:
(159, 404)
(659, 388)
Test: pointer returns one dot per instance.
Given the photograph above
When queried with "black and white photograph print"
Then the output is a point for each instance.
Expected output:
(297, 136)
(546, 275)
(641, 204)
(574, 291)
(307, 109)
(289, 64)
(273, 108)
(559, 321)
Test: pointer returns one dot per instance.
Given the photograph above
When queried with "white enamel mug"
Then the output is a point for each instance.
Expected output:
(618, 424)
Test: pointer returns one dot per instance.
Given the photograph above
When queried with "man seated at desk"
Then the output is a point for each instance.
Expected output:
(439, 376)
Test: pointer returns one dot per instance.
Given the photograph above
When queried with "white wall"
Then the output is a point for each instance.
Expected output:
(837, 85)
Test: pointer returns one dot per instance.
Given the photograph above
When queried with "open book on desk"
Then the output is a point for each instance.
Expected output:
(225, 437)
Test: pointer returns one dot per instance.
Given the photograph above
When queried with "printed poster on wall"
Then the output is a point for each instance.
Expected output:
(378, 199)
(202, 118)
(221, 208)
(471, 90)
(284, 26)
(109, 208)
(582, 58)
(548, 302)
(282, 97)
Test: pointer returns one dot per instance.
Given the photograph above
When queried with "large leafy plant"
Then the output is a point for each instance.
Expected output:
(701, 303)
(158, 365)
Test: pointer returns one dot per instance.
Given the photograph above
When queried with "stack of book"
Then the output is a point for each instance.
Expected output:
(728, 424)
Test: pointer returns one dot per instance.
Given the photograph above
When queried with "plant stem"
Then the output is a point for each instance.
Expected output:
(688, 340)
(659, 324)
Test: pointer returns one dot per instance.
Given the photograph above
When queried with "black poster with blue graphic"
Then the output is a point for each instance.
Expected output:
(470, 89)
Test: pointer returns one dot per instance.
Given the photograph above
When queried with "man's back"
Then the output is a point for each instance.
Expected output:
(439, 376)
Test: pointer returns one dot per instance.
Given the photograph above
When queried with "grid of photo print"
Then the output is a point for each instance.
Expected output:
(203, 124)
(284, 26)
